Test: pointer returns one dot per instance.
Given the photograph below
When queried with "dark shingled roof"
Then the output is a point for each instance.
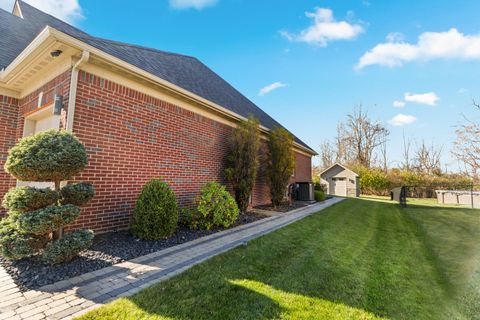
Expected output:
(184, 71)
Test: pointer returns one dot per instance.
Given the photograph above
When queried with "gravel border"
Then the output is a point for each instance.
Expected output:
(107, 249)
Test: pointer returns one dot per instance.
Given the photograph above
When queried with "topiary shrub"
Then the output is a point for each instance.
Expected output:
(215, 207)
(156, 212)
(37, 216)
(15, 244)
(68, 247)
(320, 195)
(49, 219)
(47, 156)
(77, 193)
(23, 199)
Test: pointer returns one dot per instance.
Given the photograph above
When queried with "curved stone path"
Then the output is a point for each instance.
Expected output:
(70, 298)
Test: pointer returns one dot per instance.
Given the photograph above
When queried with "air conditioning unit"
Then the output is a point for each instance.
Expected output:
(305, 191)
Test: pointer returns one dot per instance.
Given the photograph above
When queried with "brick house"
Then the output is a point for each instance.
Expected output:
(140, 112)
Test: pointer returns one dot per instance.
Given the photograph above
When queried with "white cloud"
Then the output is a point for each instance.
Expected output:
(271, 87)
(395, 37)
(429, 98)
(187, 4)
(398, 104)
(402, 119)
(431, 45)
(324, 29)
(66, 10)
(462, 91)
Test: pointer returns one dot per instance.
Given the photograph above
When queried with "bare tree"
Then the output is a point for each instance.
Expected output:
(342, 143)
(363, 136)
(467, 147)
(406, 163)
(427, 159)
(327, 154)
(383, 152)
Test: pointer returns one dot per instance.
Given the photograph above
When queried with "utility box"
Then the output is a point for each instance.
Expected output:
(305, 191)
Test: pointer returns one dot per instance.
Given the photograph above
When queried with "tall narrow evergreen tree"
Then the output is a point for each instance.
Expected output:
(280, 163)
(243, 162)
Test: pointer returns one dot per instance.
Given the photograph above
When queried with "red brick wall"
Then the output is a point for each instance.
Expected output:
(130, 138)
(8, 129)
(303, 168)
(60, 85)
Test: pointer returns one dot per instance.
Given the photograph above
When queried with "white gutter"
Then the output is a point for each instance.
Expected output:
(72, 95)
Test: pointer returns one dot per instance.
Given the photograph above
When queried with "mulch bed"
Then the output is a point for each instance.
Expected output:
(107, 249)
(284, 207)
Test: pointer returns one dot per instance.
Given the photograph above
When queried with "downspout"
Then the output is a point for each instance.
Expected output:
(72, 96)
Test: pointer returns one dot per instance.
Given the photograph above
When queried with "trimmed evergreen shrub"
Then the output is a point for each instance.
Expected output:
(37, 216)
(23, 199)
(320, 195)
(14, 244)
(156, 212)
(215, 207)
(46, 156)
(49, 219)
(77, 193)
(66, 248)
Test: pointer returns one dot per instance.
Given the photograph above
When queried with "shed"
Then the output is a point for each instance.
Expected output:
(340, 181)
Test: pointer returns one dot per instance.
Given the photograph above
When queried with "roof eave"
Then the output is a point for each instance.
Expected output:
(48, 34)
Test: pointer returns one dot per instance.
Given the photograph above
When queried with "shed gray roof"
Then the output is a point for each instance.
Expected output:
(336, 164)
(184, 71)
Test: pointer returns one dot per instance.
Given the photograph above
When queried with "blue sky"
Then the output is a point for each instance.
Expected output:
(316, 60)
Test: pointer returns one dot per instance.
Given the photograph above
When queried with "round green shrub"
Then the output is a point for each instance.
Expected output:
(215, 208)
(46, 156)
(77, 193)
(23, 199)
(68, 247)
(15, 245)
(49, 219)
(156, 212)
(320, 195)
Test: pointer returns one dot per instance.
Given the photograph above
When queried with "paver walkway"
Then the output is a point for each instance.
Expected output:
(69, 298)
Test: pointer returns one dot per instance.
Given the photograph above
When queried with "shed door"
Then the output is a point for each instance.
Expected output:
(340, 187)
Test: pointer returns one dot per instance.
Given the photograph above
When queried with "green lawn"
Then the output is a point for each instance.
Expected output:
(359, 259)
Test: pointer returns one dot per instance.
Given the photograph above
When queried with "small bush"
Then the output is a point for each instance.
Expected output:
(66, 248)
(15, 245)
(46, 156)
(23, 199)
(156, 212)
(215, 208)
(320, 195)
(77, 193)
(48, 219)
